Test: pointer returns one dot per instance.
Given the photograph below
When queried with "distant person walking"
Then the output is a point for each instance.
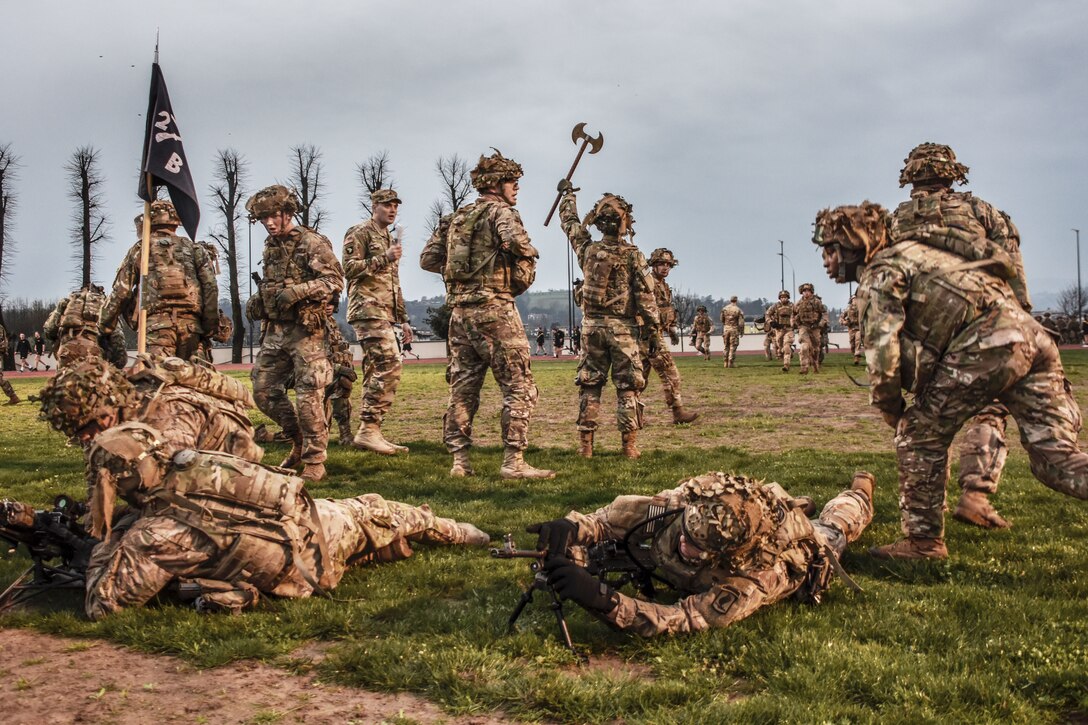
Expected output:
(559, 336)
(39, 350)
(22, 349)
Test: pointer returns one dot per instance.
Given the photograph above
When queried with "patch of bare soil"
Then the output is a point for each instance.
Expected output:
(46, 679)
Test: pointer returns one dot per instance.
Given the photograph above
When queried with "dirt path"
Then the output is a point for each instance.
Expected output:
(46, 679)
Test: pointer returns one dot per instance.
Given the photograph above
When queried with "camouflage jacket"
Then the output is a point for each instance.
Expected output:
(916, 304)
(302, 265)
(702, 323)
(74, 315)
(373, 280)
(618, 283)
(732, 318)
(339, 351)
(482, 252)
(663, 297)
(3, 345)
(180, 278)
(809, 312)
(849, 316)
(780, 315)
(717, 593)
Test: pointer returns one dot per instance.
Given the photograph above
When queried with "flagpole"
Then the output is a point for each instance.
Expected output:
(145, 254)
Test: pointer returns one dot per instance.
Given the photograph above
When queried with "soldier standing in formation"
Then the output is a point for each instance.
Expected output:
(661, 263)
(617, 297)
(780, 318)
(732, 331)
(5, 386)
(701, 327)
(301, 276)
(731, 546)
(181, 294)
(74, 330)
(486, 259)
(769, 350)
(808, 315)
(235, 529)
(338, 392)
(849, 320)
(375, 306)
(967, 343)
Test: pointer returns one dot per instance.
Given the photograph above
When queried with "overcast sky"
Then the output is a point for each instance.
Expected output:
(728, 125)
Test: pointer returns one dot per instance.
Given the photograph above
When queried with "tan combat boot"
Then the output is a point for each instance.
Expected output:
(585, 443)
(975, 508)
(396, 447)
(294, 457)
(863, 483)
(14, 400)
(680, 416)
(514, 466)
(313, 472)
(461, 466)
(369, 438)
(630, 449)
(911, 548)
(469, 535)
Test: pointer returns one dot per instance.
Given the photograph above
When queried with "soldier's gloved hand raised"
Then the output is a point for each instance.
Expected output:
(674, 338)
(553, 536)
(564, 186)
(573, 582)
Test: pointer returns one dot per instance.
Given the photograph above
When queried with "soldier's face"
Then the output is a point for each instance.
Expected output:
(508, 190)
(385, 212)
(662, 269)
(807, 294)
(832, 260)
(277, 224)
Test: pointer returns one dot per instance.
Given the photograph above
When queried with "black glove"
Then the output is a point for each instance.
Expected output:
(573, 582)
(564, 186)
(553, 536)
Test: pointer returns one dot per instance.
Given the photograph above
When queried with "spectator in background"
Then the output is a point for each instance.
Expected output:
(541, 336)
(22, 349)
(558, 337)
(39, 350)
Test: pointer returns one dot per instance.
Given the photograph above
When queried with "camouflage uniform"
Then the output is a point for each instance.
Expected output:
(808, 316)
(5, 386)
(849, 319)
(732, 317)
(741, 567)
(486, 259)
(338, 393)
(769, 333)
(238, 529)
(73, 329)
(181, 294)
(702, 327)
(301, 275)
(375, 306)
(652, 344)
(617, 295)
(780, 317)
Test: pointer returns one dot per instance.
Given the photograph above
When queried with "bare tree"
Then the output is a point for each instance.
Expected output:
(374, 173)
(435, 213)
(685, 304)
(456, 180)
(227, 193)
(1070, 298)
(9, 162)
(308, 184)
(85, 183)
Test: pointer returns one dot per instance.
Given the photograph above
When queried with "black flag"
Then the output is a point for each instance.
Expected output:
(164, 158)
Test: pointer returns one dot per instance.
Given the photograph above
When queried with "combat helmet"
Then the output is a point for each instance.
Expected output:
(272, 199)
(163, 214)
(661, 254)
(784, 293)
(128, 461)
(608, 212)
(493, 170)
(701, 308)
(80, 394)
(806, 286)
(722, 512)
(859, 231)
(931, 162)
(733, 299)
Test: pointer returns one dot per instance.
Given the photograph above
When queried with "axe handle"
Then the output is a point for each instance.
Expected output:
(559, 196)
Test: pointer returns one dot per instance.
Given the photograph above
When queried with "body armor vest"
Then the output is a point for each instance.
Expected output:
(808, 312)
(175, 371)
(81, 312)
(607, 288)
(477, 269)
(172, 278)
(782, 315)
(287, 263)
(663, 297)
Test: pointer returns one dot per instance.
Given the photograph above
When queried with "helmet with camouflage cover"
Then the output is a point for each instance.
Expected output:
(784, 294)
(721, 512)
(859, 232)
(609, 211)
(701, 308)
(272, 199)
(493, 170)
(163, 214)
(128, 460)
(806, 286)
(661, 254)
(224, 328)
(733, 299)
(932, 162)
(81, 394)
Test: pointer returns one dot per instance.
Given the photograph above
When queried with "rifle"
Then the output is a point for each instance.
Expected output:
(47, 535)
(609, 561)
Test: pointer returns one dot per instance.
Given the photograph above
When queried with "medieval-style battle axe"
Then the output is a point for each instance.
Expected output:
(593, 144)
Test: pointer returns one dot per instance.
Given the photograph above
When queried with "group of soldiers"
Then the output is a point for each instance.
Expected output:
(943, 312)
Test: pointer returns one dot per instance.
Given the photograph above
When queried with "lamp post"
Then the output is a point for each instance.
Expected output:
(782, 264)
(1080, 304)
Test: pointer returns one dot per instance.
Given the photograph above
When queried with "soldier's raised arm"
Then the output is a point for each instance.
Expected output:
(571, 223)
(123, 292)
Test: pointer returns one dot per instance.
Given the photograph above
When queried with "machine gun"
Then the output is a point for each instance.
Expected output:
(47, 536)
(610, 561)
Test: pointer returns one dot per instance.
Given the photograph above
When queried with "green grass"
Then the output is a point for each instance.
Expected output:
(999, 632)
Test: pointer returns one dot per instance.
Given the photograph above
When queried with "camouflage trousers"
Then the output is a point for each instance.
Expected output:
(783, 345)
(983, 450)
(338, 409)
(610, 346)
(481, 337)
(6, 386)
(289, 352)
(138, 562)
(856, 346)
(1026, 377)
(768, 344)
(662, 362)
(811, 344)
(843, 519)
(381, 368)
(730, 343)
(173, 334)
(702, 342)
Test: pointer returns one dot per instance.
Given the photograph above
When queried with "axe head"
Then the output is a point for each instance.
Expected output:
(579, 134)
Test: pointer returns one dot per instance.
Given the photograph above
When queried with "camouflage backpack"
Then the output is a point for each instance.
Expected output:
(465, 261)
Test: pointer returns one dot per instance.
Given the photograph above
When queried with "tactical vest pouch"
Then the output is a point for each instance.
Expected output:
(934, 316)
(233, 487)
(600, 269)
(522, 274)
(173, 286)
(465, 261)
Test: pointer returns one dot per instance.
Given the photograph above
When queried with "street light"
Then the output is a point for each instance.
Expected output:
(782, 264)
(1080, 306)
(793, 272)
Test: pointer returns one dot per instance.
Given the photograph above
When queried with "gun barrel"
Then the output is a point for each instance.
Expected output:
(509, 551)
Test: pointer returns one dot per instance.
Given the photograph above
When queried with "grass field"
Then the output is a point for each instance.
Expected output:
(998, 632)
